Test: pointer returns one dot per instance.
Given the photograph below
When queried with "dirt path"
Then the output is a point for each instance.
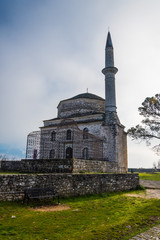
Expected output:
(55, 208)
(152, 191)
(150, 184)
(149, 193)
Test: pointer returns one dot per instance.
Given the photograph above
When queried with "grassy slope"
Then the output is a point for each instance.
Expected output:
(109, 216)
(150, 176)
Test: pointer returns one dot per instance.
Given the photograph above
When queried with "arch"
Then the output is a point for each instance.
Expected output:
(52, 154)
(35, 154)
(69, 134)
(53, 136)
(85, 153)
(85, 133)
(69, 153)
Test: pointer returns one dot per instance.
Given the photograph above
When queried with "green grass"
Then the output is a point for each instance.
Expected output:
(104, 217)
(9, 173)
(150, 176)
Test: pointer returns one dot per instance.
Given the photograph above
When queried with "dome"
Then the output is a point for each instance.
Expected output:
(87, 95)
(80, 105)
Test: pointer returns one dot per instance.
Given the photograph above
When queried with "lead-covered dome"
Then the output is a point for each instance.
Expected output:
(87, 95)
(82, 104)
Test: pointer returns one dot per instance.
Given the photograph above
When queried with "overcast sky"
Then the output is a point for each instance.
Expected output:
(54, 49)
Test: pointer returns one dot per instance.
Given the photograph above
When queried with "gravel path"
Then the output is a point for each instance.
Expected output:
(152, 191)
(149, 193)
(153, 233)
(150, 184)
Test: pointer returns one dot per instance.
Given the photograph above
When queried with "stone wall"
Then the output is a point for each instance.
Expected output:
(38, 166)
(10, 165)
(61, 166)
(67, 108)
(143, 170)
(12, 186)
(96, 166)
(77, 142)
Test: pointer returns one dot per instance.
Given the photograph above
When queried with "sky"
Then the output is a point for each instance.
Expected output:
(54, 49)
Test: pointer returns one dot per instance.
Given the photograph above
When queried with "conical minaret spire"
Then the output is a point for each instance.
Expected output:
(109, 71)
(109, 41)
(109, 55)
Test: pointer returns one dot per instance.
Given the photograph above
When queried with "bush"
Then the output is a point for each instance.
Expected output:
(140, 187)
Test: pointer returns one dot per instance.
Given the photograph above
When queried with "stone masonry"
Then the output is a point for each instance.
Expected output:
(12, 186)
(60, 166)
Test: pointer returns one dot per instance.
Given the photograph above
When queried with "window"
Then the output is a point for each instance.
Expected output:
(52, 154)
(85, 153)
(69, 135)
(53, 136)
(69, 153)
(85, 133)
(35, 154)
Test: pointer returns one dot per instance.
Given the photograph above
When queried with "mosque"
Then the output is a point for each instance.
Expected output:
(86, 128)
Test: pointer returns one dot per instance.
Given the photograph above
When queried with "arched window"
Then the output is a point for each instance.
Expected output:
(35, 154)
(85, 153)
(69, 135)
(69, 153)
(53, 136)
(85, 133)
(52, 154)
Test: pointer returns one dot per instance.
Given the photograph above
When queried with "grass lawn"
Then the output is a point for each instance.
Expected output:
(150, 176)
(9, 173)
(101, 217)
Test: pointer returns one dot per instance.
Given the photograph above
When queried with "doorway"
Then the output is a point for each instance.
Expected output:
(69, 152)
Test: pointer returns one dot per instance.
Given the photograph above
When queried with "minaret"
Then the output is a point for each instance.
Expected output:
(115, 143)
(110, 93)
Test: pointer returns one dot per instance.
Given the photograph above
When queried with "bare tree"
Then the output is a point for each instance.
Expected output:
(154, 165)
(150, 125)
(3, 157)
(158, 164)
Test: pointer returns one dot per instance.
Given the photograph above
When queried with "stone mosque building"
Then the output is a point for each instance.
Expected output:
(86, 128)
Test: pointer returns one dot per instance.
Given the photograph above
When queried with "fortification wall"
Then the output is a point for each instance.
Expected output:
(10, 165)
(12, 186)
(96, 166)
(38, 166)
(61, 166)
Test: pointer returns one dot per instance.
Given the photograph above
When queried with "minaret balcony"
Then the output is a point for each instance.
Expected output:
(109, 70)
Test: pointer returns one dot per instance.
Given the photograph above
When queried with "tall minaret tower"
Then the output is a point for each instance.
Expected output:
(115, 144)
(110, 93)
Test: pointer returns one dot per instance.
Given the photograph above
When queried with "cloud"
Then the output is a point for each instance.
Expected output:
(52, 50)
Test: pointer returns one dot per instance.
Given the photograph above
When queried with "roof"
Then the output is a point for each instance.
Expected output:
(109, 40)
(75, 115)
(87, 95)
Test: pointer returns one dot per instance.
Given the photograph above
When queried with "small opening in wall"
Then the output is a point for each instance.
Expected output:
(85, 133)
(52, 154)
(69, 153)
(53, 136)
(85, 153)
(69, 135)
